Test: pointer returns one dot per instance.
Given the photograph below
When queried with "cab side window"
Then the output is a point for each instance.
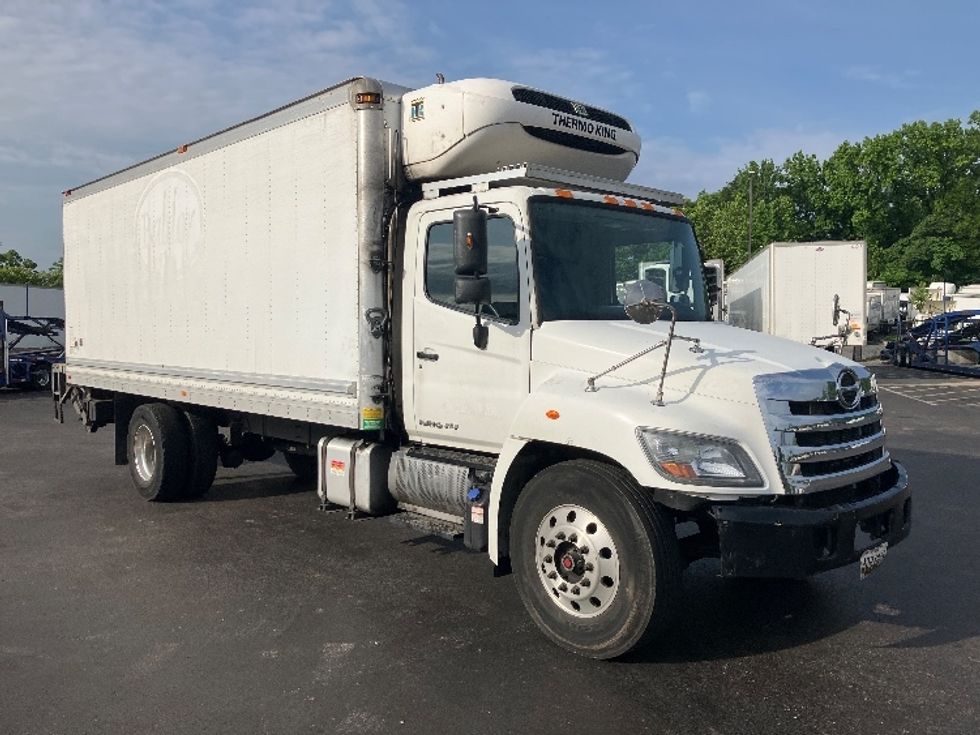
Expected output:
(501, 269)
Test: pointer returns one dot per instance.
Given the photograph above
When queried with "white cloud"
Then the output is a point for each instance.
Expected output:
(671, 164)
(584, 74)
(697, 100)
(875, 75)
(91, 86)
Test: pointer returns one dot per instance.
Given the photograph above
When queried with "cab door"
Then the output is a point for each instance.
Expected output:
(463, 396)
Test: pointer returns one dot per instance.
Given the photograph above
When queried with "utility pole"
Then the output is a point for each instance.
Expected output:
(751, 172)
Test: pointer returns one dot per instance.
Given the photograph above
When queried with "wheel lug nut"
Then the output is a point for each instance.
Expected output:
(584, 550)
(560, 535)
(575, 590)
(589, 567)
(563, 587)
(551, 544)
(585, 583)
(548, 559)
(573, 538)
(552, 575)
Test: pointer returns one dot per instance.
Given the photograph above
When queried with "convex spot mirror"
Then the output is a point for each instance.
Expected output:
(644, 301)
(470, 242)
(470, 250)
(470, 256)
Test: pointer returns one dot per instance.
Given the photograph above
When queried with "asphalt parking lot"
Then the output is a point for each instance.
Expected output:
(250, 611)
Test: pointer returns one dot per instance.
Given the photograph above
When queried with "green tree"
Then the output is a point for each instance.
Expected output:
(15, 268)
(913, 194)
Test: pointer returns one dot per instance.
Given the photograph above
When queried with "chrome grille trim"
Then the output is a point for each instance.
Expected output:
(800, 485)
(833, 451)
(775, 394)
(830, 423)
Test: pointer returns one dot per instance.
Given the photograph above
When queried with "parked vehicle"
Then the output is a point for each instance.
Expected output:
(882, 306)
(21, 366)
(932, 340)
(373, 281)
(788, 289)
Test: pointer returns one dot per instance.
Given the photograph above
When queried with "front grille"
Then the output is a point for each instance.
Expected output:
(828, 408)
(832, 466)
(560, 104)
(854, 492)
(837, 436)
(574, 141)
(820, 444)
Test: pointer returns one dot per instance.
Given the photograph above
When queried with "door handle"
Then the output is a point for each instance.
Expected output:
(427, 354)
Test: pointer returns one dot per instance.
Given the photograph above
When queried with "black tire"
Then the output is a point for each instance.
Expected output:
(165, 477)
(41, 377)
(646, 556)
(302, 465)
(256, 449)
(203, 433)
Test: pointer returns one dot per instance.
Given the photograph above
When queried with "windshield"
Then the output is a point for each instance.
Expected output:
(586, 254)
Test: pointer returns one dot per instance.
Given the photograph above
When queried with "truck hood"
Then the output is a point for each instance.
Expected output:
(731, 356)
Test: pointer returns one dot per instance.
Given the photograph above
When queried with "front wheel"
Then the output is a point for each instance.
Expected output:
(596, 560)
(41, 377)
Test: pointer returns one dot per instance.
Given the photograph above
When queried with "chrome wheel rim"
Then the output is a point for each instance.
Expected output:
(577, 561)
(144, 453)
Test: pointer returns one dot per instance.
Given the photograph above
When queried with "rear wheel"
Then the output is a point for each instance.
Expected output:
(158, 452)
(302, 465)
(203, 433)
(596, 560)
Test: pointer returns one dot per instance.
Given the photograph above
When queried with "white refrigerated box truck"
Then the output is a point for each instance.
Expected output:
(413, 294)
(787, 289)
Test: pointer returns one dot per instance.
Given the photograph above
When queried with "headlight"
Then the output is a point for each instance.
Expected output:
(699, 460)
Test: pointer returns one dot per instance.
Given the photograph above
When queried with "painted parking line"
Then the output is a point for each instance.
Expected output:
(963, 393)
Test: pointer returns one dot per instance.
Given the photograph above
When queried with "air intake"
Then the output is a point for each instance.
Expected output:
(560, 104)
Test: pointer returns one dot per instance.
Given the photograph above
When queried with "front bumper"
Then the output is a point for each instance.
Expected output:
(783, 540)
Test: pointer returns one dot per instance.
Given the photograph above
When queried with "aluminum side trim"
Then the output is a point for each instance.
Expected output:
(340, 387)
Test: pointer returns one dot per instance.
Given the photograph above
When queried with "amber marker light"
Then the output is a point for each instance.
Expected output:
(552, 414)
(678, 469)
(563, 193)
(368, 98)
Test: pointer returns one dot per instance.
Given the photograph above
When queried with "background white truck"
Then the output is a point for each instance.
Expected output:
(374, 282)
(787, 289)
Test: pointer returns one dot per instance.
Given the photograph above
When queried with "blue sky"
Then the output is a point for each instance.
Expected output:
(89, 87)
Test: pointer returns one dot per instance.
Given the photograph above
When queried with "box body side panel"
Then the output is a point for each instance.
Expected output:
(238, 265)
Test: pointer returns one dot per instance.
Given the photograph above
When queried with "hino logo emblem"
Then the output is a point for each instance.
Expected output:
(580, 109)
(848, 389)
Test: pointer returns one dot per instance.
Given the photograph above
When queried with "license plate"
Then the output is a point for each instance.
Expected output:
(872, 558)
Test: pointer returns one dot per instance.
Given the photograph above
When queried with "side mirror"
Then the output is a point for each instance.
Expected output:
(644, 301)
(470, 249)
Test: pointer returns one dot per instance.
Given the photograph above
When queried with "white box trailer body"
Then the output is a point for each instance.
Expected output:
(235, 272)
(787, 290)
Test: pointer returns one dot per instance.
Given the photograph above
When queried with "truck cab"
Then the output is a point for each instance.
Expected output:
(772, 450)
